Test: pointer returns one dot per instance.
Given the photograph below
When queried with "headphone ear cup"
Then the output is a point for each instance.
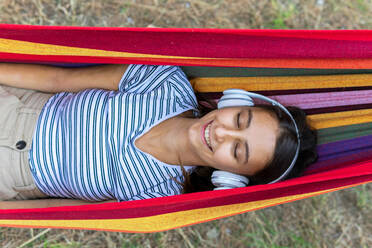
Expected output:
(228, 180)
(234, 98)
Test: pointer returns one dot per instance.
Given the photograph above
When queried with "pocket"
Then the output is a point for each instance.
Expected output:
(18, 129)
(24, 129)
(8, 116)
(20, 111)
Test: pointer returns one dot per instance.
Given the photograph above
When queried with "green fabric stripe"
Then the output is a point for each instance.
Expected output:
(328, 135)
(199, 71)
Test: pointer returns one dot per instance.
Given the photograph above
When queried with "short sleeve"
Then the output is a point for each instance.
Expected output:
(144, 78)
(183, 89)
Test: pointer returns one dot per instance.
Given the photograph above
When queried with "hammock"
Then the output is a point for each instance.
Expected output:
(327, 73)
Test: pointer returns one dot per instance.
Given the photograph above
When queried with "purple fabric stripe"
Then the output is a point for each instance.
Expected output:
(339, 162)
(334, 149)
(338, 109)
(216, 95)
(324, 100)
(319, 100)
(304, 91)
(310, 111)
(341, 153)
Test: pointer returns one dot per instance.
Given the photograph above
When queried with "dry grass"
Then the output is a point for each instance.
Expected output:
(339, 219)
(292, 14)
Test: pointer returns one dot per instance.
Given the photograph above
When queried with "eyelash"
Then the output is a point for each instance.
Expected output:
(238, 119)
(236, 145)
(236, 148)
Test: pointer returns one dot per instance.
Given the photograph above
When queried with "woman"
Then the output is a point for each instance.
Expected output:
(119, 133)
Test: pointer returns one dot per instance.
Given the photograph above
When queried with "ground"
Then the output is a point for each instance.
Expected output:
(339, 219)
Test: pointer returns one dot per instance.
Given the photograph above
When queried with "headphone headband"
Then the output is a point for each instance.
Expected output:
(238, 94)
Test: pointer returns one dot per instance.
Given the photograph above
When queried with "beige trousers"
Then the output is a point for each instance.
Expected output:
(19, 111)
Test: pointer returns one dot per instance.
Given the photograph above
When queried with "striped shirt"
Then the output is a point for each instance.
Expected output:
(83, 145)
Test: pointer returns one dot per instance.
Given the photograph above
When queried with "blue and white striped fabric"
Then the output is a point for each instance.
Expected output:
(83, 145)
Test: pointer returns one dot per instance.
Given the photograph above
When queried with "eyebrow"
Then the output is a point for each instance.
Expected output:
(246, 153)
(249, 118)
(246, 144)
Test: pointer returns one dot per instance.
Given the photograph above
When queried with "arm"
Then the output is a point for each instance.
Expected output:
(45, 203)
(58, 79)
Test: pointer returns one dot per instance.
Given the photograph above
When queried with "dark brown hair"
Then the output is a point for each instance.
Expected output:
(285, 148)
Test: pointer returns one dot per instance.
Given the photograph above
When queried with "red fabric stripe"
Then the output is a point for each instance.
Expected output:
(351, 35)
(361, 172)
(321, 34)
(200, 43)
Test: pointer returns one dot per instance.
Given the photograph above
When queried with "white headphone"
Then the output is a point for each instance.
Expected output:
(238, 97)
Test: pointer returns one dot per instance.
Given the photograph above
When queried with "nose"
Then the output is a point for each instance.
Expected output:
(222, 133)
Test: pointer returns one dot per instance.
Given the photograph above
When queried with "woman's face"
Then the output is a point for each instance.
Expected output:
(238, 139)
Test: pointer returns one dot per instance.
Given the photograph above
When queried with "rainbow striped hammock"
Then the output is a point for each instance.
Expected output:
(328, 73)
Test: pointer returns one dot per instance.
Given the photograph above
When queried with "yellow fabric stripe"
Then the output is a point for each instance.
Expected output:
(337, 119)
(33, 48)
(164, 221)
(217, 84)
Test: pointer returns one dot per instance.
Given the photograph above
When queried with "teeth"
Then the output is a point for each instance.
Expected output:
(207, 135)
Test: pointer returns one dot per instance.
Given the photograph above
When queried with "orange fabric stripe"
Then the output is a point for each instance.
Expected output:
(338, 119)
(219, 84)
(33, 48)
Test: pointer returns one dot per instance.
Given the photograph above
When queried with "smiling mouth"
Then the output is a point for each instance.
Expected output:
(206, 135)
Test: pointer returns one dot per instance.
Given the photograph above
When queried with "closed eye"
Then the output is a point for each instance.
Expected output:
(235, 150)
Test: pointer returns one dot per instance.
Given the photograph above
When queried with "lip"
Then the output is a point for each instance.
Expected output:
(202, 134)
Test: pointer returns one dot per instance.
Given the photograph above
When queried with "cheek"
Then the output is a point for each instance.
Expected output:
(221, 158)
(261, 146)
(224, 160)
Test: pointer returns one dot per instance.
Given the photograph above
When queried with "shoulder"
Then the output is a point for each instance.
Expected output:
(144, 78)
(167, 84)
